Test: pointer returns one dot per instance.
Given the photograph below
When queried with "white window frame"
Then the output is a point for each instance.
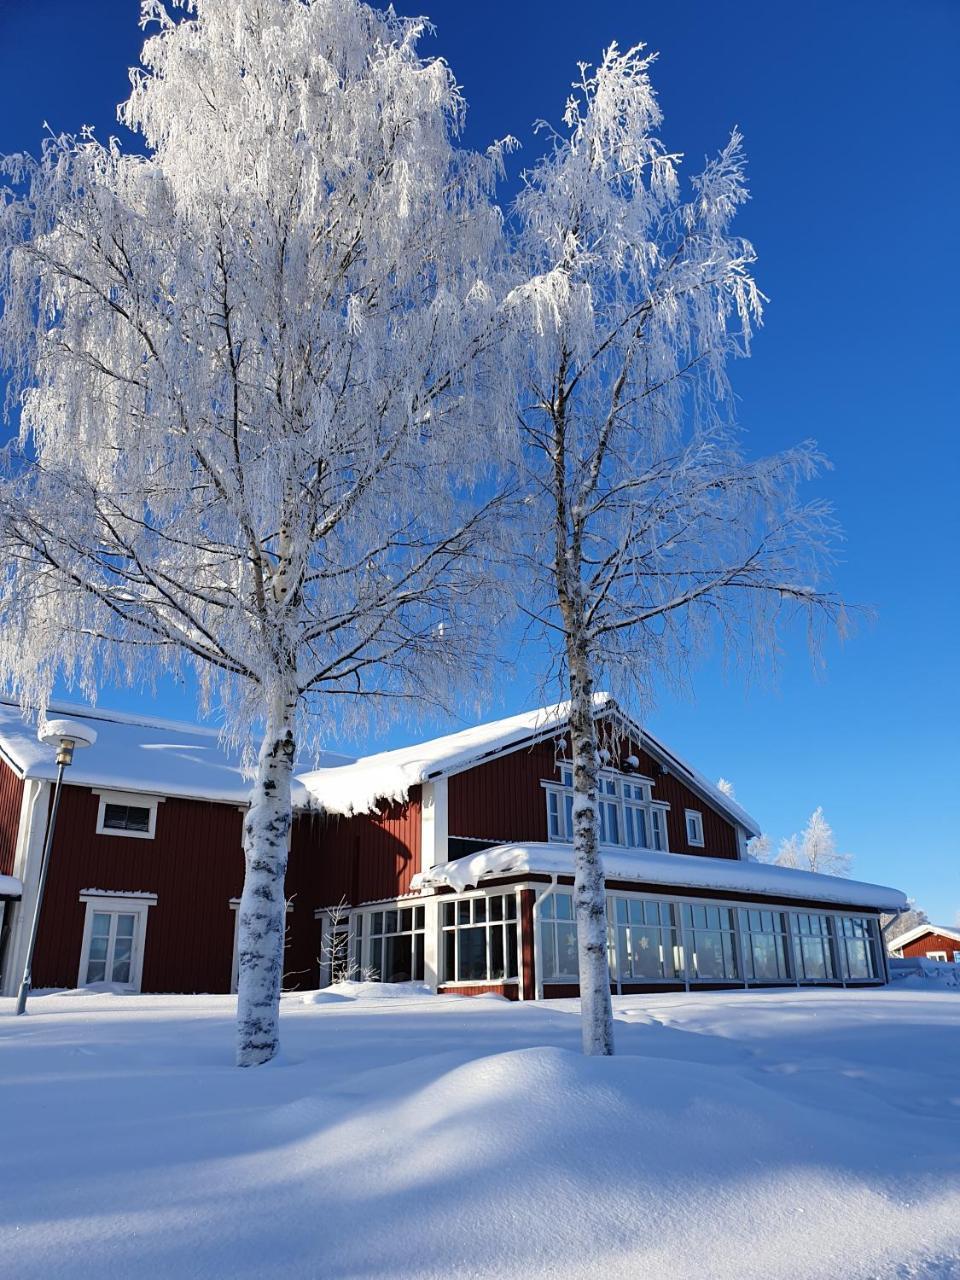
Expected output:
(696, 840)
(557, 795)
(133, 800)
(102, 900)
(937, 955)
(506, 891)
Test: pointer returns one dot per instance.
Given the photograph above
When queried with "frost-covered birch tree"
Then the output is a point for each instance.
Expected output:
(658, 531)
(248, 362)
(814, 849)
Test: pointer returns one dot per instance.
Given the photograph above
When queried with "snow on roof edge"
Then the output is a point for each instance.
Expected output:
(668, 869)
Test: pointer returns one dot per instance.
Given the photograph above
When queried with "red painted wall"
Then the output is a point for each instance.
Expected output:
(932, 942)
(503, 800)
(194, 865)
(11, 795)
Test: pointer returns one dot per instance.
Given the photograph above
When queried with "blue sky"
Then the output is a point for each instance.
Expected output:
(849, 113)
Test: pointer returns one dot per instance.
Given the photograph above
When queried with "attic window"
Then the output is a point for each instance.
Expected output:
(694, 826)
(127, 815)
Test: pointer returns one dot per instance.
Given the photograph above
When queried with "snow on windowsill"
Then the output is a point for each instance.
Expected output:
(10, 887)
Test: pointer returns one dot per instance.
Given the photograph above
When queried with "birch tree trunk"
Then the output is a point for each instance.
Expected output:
(590, 902)
(262, 921)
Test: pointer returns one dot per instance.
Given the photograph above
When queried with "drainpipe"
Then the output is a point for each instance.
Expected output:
(537, 950)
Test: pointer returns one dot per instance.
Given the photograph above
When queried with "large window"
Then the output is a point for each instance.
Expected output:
(811, 948)
(857, 947)
(396, 944)
(765, 942)
(627, 812)
(644, 939)
(558, 937)
(480, 939)
(710, 939)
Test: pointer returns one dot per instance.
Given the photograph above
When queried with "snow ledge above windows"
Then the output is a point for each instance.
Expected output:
(676, 870)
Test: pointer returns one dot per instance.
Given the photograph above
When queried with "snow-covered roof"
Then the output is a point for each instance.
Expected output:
(678, 870)
(389, 775)
(10, 887)
(912, 935)
(134, 753)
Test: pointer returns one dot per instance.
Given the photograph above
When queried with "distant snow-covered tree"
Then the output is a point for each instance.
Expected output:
(892, 926)
(649, 528)
(254, 366)
(814, 849)
(727, 787)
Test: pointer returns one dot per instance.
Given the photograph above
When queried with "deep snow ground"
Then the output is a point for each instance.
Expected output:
(788, 1134)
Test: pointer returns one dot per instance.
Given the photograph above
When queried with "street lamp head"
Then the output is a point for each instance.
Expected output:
(66, 736)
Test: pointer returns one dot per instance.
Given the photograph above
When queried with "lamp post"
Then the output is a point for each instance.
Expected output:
(66, 736)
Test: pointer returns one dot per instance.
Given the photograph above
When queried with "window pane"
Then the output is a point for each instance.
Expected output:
(495, 908)
(646, 952)
(473, 955)
(564, 904)
(496, 953)
(376, 922)
(96, 971)
(98, 948)
(406, 919)
(479, 910)
(390, 922)
(418, 958)
(463, 912)
(448, 913)
(125, 924)
(510, 906)
(101, 924)
(418, 917)
(547, 940)
(449, 964)
(568, 814)
(398, 958)
(376, 954)
(511, 956)
(567, 949)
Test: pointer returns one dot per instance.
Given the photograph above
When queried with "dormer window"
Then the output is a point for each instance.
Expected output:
(628, 814)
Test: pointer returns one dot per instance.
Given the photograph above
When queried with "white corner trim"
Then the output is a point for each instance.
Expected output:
(434, 823)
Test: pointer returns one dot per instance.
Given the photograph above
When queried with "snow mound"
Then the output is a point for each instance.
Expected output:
(366, 992)
(919, 974)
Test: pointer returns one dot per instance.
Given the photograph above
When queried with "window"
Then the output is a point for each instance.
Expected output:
(956, 957)
(764, 938)
(558, 938)
(125, 817)
(936, 955)
(627, 814)
(113, 938)
(396, 944)
(480, 939)
(644, 940)
(709, 937)
(857, 948)
(127, 814)
(811, 948)
(694, 826)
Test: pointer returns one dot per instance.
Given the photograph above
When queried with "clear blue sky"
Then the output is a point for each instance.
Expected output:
(850, 114)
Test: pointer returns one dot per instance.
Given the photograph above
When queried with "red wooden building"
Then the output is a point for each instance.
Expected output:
(448, 862)
(928, 942)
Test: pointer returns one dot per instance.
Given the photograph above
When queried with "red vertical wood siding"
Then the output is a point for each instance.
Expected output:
(932, 942)
(11, 796)
(365, 857)
(502, 799)
(194, 865)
